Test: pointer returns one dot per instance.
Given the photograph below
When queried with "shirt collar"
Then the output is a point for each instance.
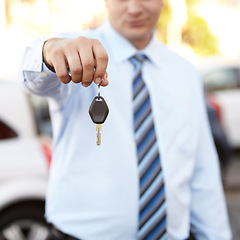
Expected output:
(116, 42)
(151, 51)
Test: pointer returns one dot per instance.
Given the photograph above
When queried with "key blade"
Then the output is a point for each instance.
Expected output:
(98, 129)
(98, 138)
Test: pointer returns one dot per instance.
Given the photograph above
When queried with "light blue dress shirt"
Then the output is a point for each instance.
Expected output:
(93, 191)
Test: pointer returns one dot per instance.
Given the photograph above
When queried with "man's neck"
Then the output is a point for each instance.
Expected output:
(141, 43)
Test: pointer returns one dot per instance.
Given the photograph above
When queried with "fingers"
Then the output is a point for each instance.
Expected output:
(101, 61)
(105, 82)
(75, 66)
(54, 56)
(60, 65)
(61, 70)
(86, 59)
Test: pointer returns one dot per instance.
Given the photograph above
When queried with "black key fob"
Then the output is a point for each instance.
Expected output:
(98, 110)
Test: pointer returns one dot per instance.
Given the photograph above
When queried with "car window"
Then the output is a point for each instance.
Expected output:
(6, 132)
(238, 73)
(220, 79)
(41, 114)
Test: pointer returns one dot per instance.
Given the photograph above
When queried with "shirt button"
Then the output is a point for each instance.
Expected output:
(44, 74)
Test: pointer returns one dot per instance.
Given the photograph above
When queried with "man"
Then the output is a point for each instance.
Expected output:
(156, 130)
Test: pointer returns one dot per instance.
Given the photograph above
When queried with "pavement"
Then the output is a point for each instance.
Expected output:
(231, 180)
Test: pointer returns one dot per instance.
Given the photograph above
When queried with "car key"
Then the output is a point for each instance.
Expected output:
(98, 112)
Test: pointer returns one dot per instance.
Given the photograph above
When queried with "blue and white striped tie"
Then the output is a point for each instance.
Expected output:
(152, 215)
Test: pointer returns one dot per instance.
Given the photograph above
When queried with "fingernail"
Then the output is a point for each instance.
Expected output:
(98, 81)
(102, 81)
(105, 78)
(86, 84)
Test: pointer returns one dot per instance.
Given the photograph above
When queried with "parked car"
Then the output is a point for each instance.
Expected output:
(223, 147)
(221, 78)
(24, 161)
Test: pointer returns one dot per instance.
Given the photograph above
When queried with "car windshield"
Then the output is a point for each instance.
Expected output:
(221, 79)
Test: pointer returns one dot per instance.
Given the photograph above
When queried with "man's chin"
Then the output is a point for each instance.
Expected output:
(138, 37)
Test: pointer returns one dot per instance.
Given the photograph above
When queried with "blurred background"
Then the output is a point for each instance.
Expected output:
(206, 32)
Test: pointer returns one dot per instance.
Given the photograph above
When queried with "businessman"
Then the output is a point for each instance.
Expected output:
(156, 173)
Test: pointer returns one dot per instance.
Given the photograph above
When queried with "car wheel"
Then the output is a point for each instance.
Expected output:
(24, 221)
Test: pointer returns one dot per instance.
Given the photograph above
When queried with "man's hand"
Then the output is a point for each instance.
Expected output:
(86, 58)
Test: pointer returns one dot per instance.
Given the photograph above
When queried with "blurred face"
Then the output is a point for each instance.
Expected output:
(134, 19)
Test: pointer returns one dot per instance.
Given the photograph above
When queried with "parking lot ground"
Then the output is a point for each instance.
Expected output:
(232, 193)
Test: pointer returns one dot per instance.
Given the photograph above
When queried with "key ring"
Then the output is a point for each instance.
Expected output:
(99, 90)
(99, 85)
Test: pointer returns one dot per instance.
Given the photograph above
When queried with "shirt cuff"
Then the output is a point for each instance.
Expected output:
(34, 55)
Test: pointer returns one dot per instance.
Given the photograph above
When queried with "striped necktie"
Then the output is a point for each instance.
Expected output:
(152, 215)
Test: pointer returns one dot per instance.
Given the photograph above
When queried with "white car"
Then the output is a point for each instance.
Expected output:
(222, 79)
(24, 163)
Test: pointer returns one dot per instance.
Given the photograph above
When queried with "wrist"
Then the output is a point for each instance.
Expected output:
(50, 67)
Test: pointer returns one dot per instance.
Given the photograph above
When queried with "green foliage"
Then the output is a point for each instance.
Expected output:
(196, 33)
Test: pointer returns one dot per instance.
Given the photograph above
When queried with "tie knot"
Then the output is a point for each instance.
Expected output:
(137, 60)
